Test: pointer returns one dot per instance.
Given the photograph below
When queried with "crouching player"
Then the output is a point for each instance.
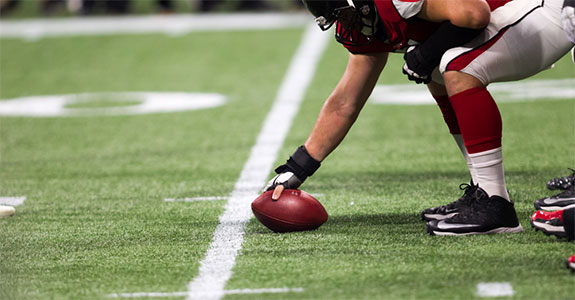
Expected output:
(370, 29)
(467, 107)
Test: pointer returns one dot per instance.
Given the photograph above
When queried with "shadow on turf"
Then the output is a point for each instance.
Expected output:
(353, 223)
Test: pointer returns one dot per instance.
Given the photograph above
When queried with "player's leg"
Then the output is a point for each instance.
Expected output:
(542, 41)
(496, 58)
(468, 70)
(481, 126)
(439, 93)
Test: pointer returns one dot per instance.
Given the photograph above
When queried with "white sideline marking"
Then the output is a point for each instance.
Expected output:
(216, 268)
(520, 91)
(172, 24)
(494, 289)
(12, 201)
(228, 292)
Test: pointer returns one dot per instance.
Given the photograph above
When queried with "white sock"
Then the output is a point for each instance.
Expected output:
(488, 166)
(459, 140)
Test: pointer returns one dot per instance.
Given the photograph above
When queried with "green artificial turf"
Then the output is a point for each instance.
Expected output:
(95, 223)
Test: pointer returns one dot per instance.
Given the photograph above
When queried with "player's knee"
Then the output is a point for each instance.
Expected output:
(479, 19)
(457, 82)
(475, 16)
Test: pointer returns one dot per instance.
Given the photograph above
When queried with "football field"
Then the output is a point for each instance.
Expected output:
(132, 156)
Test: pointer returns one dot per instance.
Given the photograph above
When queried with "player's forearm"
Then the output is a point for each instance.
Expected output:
(342, 107)
(332, 125)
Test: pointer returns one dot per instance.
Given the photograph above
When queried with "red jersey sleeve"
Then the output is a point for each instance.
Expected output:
(397, 18)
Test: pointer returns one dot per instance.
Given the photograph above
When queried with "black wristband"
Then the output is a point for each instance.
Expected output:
(301, 164)
(569, 3)
(444, 38)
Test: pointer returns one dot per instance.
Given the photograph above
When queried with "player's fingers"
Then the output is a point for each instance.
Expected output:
(277, 192)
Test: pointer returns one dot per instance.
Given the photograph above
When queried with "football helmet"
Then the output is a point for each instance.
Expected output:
(356, 19)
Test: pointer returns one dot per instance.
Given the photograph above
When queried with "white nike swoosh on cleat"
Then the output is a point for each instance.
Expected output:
(439, 216)
(517, 228)
(444, 225)
(551, 201)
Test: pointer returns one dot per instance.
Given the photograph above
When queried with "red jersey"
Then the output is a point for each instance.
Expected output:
(396, 16)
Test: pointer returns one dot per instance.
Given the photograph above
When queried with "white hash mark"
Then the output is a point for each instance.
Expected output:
(494, 289)
(12, 201)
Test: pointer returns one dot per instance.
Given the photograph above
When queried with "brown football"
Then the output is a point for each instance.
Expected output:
(295, 210)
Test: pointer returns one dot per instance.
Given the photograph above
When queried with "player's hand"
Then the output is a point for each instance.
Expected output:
(282, 181)
(416, 67)
(568, 19)
(293, 173)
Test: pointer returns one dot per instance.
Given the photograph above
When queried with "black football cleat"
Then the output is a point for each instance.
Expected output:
(485, 215)
(562, 183)
(550, 223)
(449, 210)
(563, 200)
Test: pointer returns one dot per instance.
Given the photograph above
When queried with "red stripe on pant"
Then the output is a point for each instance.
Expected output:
(479, 119)
(463, 60)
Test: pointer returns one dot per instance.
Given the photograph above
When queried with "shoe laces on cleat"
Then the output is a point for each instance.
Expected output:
(484, 209)
(476, 201)
(465, 200)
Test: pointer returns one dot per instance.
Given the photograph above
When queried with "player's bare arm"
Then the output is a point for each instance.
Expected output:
(342, 107)
(336, 117)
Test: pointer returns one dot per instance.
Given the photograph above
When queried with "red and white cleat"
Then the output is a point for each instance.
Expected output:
(550, 223)
(570, 263)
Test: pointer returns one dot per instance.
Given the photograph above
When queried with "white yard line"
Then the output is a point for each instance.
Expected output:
(494, 289)
(216, 268)
(168, 24)
(228, 292)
